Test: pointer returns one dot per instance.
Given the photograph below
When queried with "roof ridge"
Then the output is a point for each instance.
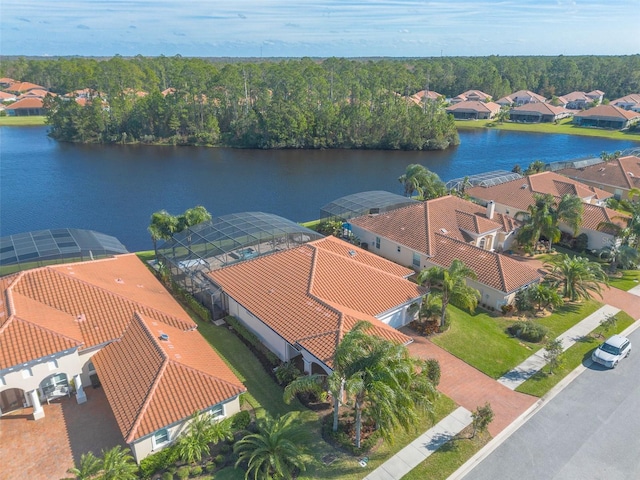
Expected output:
(156, 381)
(17, 317)
(427, 227)
(8, 295)
(503, 280)
(118, 295)
(202, 372)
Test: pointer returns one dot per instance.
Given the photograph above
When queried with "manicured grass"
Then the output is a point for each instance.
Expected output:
(36, 120)
(451, 456)
(629, 279)
(311, 224)
(481, 340)
(542, 382)
(563, 127)
(146, 256)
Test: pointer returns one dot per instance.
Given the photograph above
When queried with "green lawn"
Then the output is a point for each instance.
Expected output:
(542, 382)
(481, 340)
(451, 456)
(563, 127)
(629, 279)
(35, 120)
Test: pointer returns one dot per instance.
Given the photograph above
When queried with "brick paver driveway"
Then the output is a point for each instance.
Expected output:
(471, 388)
(46, 448)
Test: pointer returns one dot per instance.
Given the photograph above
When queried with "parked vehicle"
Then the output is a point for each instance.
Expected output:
(612, 351)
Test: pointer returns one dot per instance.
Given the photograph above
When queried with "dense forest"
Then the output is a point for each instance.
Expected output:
(296, 103)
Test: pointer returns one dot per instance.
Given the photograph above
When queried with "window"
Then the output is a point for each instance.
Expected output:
(160, 438)
(482, 242)
(377, 242)
(26, 373)
(91, 367)
(217, 411)
(416, 259)
(52, 364)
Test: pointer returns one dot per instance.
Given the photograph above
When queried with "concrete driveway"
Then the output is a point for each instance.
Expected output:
(591, 430)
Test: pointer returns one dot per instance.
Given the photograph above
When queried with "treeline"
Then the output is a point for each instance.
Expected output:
(301, 103)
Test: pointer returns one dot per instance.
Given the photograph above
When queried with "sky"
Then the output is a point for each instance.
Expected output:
(341, 28)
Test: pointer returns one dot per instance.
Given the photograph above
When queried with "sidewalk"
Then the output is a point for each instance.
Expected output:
(417, 451)
(535, 362)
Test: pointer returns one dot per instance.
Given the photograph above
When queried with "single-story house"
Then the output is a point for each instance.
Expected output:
(7, 97)
(425, 95)
(36, 93)
(515, 196)
(521, 97)
(607, 116)
(628, 102)
(471, 96)
(22, 87)
(473, 110)
(538, 113)
(616, 176)
(109, 322)
(26, 107)
(436, 232)
(6, 81)
(303, 300)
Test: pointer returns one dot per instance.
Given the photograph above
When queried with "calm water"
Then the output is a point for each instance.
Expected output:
(115, 189)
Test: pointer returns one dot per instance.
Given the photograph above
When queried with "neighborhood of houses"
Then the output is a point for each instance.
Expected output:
(109, 322)
(588, 109)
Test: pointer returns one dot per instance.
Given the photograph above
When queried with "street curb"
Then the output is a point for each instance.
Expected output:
(527, 414)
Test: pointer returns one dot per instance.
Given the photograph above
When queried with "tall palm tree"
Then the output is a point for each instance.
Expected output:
(201, 432)
(453, 286)
(577, 277)
(193, 216)
(419, 179)
(89, 467)
(118, 464)
(276, 451)
(617, 253)
(162, 226)
(544, 296)
(543, 217)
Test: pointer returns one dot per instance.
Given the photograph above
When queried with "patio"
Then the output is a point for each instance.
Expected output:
(46, 448)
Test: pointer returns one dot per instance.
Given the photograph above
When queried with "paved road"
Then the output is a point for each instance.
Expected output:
(591, 430)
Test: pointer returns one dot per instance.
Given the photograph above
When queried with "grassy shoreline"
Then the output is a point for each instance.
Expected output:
(29, 121)
(564, 127)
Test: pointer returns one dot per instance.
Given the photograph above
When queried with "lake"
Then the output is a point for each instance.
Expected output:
(114, 189)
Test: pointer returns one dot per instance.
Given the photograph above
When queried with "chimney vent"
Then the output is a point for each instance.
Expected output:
(491, 209)
(164, 337)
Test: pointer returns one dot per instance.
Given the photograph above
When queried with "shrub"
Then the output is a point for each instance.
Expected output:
(252, 340)
(220, 459)
(196, 471)
(158, 461)
(507, 309)
(581, 243)
(210, 467)
(241, 420)
(167, 476)
(434, 371)
(523, 301)
(528, 331)
(183, 472)
(225, 448)
(286, 373)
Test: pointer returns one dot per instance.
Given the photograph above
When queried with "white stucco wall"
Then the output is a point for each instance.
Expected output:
(398, 317)
(144, 447)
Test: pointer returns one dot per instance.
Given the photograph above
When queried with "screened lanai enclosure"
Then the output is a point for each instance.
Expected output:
(192, 253)
(363, 203)
(487, 179)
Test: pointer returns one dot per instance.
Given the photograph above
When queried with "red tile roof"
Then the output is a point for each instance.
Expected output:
(20, 87)
(608, 111)
(313, 294)
(439, 229)
(32, 102)
(623, 172)
(171, 380)
(542, 108)
(7, 96)
(475, 106)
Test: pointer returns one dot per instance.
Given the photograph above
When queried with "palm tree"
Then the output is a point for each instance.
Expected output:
(618, 253)
(577, 277)
(275, 452)
(193, 216)
(544, 296)
(118, 464)
(201, 432)
(453, 286)
(89, 467)
(543, 217)
(162, 226)
(419, 179)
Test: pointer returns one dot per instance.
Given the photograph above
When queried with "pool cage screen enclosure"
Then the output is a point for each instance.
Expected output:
(363, 203)
(194, 252)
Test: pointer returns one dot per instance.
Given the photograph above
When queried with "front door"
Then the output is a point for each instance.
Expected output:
(11, 399)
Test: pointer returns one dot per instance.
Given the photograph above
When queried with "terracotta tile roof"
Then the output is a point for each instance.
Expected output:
(37, 93)
(464, 96)
(7, 80)
(20, 87)
(634, 98)
(91, 303)
(430, 95)
(305, 294)
(32, 102)
(173, 378)
(523, 95)
(475, 106)
(493, 269)
(576, 96)
(7, 96)
(623, 172)
(608, 111)
(594, 216)
(438, 227)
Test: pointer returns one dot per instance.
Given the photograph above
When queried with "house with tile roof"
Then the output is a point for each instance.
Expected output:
(302, 301)
(109, 322)
(473, 110)
(436, 232)
(538, 113)
(425, 95)
(22, 87)
(581, 100)
(521, 97)
(6, 81)
(471, 96)
(616, 176)
(7, 97)
(628, 102)
(515, 196)
(607, 116)
(26, 107)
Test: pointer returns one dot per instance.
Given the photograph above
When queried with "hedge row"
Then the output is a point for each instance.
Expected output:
(253, 340)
